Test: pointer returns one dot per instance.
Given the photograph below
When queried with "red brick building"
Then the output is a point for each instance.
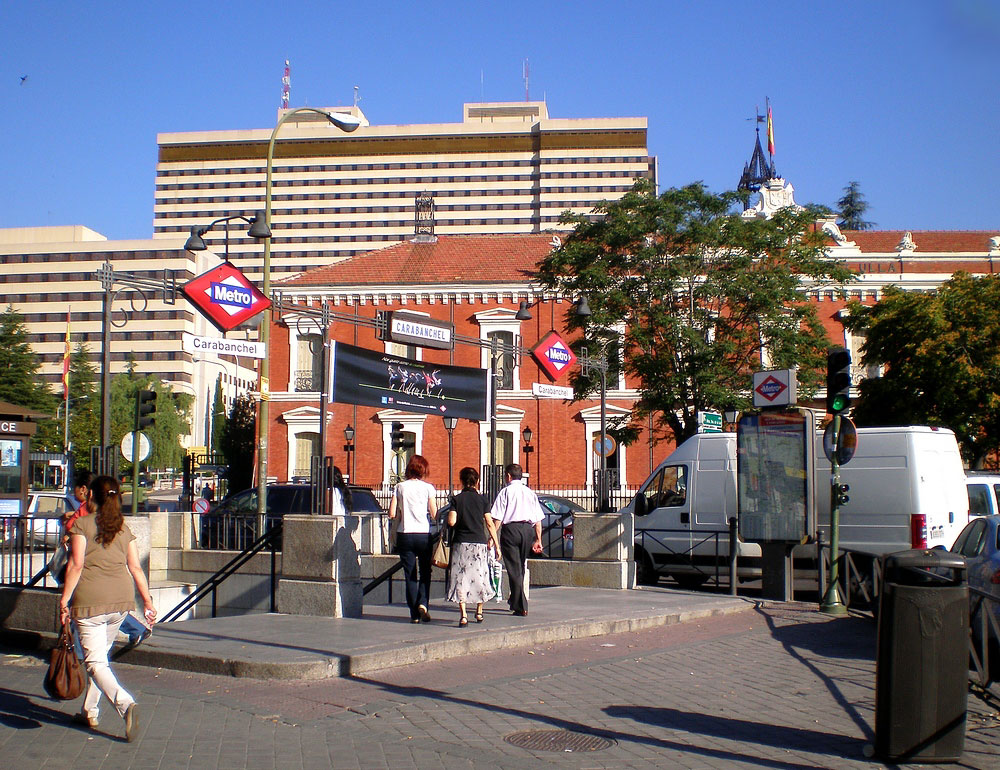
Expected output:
(477, 283)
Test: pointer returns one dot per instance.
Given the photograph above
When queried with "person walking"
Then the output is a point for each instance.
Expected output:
(518, 513)
(102, 557)
(413, 505)
(340, 497)
(472, 535)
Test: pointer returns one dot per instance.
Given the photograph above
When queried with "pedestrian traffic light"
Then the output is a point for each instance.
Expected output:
(399, 440)
(145, 409)
(838, 380)
(840, 494)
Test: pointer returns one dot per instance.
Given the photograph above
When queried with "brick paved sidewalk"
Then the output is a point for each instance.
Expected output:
(779, 687)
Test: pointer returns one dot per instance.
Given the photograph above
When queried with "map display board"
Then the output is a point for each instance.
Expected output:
(772, 450)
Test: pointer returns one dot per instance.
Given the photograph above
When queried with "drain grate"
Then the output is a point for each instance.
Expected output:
(557, 740)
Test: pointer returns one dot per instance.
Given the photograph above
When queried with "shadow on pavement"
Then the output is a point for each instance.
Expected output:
(804, 739)
(761, 733)
(17, 710)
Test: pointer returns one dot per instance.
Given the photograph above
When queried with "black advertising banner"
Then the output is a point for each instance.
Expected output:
(368, 378)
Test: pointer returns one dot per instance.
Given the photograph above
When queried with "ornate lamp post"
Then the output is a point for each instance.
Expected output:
(450, 423)
(345, 123)
(528, 449)
(348, 448)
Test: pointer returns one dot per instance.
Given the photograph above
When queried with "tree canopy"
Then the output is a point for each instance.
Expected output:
(237, 442)
(851, 209)
(700, 291)
(20, 382)
(941, 357)
(171, 418)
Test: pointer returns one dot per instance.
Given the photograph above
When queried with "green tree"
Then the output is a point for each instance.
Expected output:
(941, 357)
(851, 209)
(237, 442)
(20, 382)
(701, 290)
(219, 418)
(84, 406)
(172, 419)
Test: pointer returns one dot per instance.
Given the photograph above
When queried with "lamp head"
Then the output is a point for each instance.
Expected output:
(526, 434)
(258, 228)
(195, 241)
(349, 432)
(522, 313)
(582, 308)
(343, 121)
(450, 422)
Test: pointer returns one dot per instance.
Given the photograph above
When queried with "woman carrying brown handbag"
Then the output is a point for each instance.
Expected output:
(103, 568)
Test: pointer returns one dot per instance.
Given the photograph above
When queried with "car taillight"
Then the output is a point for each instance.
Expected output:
(995, 579)
(568, 531)
(918, 530)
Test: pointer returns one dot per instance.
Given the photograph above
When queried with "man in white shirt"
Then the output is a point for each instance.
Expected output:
(518, 513)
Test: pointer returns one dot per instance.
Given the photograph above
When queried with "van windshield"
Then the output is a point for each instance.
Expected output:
(667, 489)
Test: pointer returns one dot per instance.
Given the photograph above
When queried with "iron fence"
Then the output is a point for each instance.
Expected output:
(26, 545)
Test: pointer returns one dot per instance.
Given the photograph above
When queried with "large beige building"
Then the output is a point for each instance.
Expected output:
(506, 168)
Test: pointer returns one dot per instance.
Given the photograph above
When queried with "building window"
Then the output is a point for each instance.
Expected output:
(306, 446)
(500, 326)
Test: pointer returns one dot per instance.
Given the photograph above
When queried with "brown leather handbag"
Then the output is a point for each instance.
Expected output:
(65, 678)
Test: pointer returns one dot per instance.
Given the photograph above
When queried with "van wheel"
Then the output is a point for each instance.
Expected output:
(646, 574)
(690, 582)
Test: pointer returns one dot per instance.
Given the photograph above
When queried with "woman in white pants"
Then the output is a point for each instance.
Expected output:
(103, 568)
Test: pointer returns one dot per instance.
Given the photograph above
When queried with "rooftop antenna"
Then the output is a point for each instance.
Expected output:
(286, 80)
(357, 98)
(526, 72)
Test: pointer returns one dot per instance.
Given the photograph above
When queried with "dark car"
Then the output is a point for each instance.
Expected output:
(979, 543)
(557, 526)
(233, 525)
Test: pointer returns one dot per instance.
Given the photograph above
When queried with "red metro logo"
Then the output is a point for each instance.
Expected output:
(553, 355)
(225, 296)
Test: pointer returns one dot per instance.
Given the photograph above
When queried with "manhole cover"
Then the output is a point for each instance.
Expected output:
(557, 740)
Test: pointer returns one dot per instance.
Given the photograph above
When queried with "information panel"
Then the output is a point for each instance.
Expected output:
(772, 469)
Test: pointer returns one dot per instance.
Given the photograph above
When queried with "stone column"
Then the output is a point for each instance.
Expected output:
(321, 566)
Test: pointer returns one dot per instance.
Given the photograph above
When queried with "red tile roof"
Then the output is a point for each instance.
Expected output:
(927, 241)
(462, 259)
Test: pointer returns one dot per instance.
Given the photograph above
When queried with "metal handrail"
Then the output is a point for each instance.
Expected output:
(983, 604)
(708, 534)
(268, 540)
(382, 578)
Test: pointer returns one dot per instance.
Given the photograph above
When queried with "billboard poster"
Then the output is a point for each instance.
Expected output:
(369, 378)
(772, 462)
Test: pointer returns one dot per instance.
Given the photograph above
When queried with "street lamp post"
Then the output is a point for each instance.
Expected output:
(345, 123)
(528, 449)
(449, 424)
(348, 448)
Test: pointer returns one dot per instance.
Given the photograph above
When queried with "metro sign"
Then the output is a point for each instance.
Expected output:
(771, 388)
(225, 296)
(553, 355)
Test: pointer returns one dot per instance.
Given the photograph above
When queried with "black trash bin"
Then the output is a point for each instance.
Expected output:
(921, 679)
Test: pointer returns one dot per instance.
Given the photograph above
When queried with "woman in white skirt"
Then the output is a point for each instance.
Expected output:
(472, 533)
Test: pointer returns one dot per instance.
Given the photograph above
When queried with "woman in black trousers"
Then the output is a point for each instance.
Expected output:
(414, 506)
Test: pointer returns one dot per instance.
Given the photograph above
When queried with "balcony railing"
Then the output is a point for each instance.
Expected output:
(306, 381)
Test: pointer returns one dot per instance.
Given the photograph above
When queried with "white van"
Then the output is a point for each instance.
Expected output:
(907, 490)
(984, 493)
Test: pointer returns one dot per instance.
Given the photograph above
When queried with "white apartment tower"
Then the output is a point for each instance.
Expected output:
(506, 168)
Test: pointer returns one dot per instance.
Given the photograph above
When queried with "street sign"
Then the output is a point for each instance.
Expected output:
(225, 296)
(553, 355)
(414, 329)
(847, 441)
(201, 505)
(541, 390)
(144, 447)
(605, 448)
(221, 346)
(774, 388)
(709, 422)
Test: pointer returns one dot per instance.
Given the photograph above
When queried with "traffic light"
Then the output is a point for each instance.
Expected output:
(840, 494)
(399, 440)
(145, 409)
(838, 380)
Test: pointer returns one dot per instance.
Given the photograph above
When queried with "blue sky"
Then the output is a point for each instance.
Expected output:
(900, 96)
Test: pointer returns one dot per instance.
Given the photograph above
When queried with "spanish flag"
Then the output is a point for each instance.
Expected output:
(66, 355)
(770, 132)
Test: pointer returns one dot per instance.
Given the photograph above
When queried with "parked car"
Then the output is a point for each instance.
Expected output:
(557, 526)
(984, 493)
(979, 543)
(42, 522)
(232, 524)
